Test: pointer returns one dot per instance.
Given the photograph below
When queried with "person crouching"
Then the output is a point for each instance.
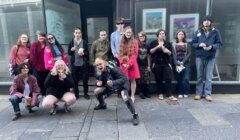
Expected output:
(59, 84)
(118, 81)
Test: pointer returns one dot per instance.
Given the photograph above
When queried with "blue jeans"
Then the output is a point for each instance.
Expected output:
(15, 100)
(204, 72)
(183, 81)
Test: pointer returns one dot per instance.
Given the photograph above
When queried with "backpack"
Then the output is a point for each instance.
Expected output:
(13, 70)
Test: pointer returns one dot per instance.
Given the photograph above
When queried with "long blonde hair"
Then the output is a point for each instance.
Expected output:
(122, 50)
(60, 62)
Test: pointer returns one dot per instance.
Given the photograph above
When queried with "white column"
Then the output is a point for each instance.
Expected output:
(30, 23)
(6, 42)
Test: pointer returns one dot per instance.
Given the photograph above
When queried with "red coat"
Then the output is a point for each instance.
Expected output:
(18, 86)
(133, 71)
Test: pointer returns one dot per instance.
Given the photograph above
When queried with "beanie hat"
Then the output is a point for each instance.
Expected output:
(209, 18)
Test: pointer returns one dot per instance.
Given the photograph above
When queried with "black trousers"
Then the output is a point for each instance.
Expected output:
(80, 72)
(41, 76)
(163, 73)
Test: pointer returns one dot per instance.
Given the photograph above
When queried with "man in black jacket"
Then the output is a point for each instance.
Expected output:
(78, 50)
(111, 77)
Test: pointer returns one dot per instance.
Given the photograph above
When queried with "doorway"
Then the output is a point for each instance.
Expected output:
(96, 15)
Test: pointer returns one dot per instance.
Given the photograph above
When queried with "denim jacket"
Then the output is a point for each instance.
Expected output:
(213, 38)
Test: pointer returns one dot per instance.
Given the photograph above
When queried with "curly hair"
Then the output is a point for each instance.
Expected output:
(123, 52)
(60, 62)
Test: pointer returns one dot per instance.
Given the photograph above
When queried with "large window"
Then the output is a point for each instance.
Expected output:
(148, 13)
(17, 18)
(61, 17)
(226, 15)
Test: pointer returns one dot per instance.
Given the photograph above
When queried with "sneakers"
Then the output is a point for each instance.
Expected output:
(172, 98)
(67, 108)
(160, 97)
(208, 98)
(16, 116)
(180, 96)
(86, 96)
(185, 96)
(53, 111)
(135, 119)
(197, 97)
(98, 107)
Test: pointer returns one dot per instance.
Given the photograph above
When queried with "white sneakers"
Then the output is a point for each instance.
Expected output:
(182, 96)
(172, 98)
(160, 97)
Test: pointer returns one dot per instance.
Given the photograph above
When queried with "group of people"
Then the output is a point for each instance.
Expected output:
(120, 66)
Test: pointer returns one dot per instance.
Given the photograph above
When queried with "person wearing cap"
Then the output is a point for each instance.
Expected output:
(206, 41)
(116, 38)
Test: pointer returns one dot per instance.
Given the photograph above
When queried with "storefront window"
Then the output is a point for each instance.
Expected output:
(17, 17)
(227, 20)
(150, 15)
(62, 17)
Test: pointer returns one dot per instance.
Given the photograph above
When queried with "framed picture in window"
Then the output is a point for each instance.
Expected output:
(153, 19)
(187, 22)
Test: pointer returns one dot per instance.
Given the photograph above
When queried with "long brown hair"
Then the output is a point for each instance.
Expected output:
(19, 42)
(124, 42)
(184, 39)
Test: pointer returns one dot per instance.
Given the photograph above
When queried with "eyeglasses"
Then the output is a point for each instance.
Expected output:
(25, 68)
(103, 35)
(50, 38)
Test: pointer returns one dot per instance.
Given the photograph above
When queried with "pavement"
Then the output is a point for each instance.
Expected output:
(186, 120)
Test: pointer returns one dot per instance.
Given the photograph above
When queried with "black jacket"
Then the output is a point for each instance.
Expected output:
(72, 53)
(57, 87)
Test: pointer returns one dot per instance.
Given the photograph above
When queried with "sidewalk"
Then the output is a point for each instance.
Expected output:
(188, 120)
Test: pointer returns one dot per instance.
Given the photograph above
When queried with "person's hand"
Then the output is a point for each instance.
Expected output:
(99, 83)
(62, 76)
(202, 45)
(149, 68)
(127, 66)
(110, 83)
(26, 61)
(207, 48)
(81, 53)
(165, 50)
(27, 97)
(73, 48)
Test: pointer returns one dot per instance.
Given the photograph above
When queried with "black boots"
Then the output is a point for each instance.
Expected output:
(99, 106)
(135, 119)
(86, 96)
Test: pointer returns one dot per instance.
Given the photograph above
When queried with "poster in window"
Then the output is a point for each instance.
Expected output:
(187, 22)
(154, 19)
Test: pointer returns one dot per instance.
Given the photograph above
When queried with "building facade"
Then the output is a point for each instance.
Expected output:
(61, 16)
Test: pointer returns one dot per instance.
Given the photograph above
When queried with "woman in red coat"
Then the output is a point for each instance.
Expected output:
(24, 87)
(128, 52)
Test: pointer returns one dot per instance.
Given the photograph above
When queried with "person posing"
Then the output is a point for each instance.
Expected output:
(53, 52)
(78, 50)
(143, 60)
(37, 61)
(161, 55)
(20, 52)
(59, 83)
(101, 48)
(25, 88)
(181, 58)
(128, 52)
(206, 41)
(118, 81)
(116, 39)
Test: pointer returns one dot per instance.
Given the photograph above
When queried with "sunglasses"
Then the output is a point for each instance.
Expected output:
(50, 38)
(119, 23)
